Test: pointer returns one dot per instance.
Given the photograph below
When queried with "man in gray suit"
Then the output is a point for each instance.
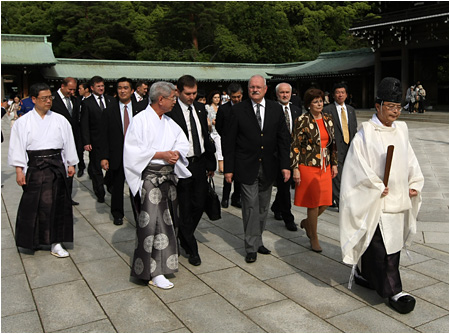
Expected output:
(256, 149)
(345, 128)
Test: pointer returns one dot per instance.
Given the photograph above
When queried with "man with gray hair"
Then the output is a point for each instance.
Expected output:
(256, 148)
(281, 207)
(155, 159)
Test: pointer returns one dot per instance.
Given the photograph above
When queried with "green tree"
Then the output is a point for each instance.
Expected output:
(220, 31)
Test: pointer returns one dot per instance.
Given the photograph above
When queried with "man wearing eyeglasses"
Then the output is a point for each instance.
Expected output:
(345, 127)
(256, 149)
(91, 128)
(377, 219)
(66, 104)
(115, 121)
(43, 152)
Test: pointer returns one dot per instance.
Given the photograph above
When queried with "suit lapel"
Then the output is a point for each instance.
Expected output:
(251, 113)
(337, 118)
(94, 103)
(63, 106)
(115, 108)
(178, 117)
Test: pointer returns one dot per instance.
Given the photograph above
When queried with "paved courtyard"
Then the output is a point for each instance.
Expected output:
(291, 290)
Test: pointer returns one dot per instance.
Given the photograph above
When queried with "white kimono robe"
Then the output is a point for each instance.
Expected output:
(361, 206)
(146, 135)
(32, 132)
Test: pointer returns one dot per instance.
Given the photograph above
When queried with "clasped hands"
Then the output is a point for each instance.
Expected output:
(412, 192)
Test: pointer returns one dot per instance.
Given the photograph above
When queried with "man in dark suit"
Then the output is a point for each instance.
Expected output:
(345, 128)
(256, 148)
(191, 116)
(84, 91)
(115, 120)
(66, 104)
(223, 119)
(281, 207)
(140, 92)
(91, 128)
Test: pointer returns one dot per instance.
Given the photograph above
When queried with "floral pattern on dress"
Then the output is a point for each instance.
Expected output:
(305, 149)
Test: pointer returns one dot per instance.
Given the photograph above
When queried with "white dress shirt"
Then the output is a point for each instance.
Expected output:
(288, 106)
(186, 114)
(122, 115)
(63, 98)
(262, 110)
(339, 111)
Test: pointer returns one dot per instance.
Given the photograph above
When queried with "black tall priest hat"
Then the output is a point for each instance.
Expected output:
(389, 90)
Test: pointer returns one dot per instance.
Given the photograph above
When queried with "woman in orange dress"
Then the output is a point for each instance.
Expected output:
(314, 162)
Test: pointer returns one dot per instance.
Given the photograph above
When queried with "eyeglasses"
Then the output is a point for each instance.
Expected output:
(255, 87)
(170, 98)
(46, 98)
(393, 107)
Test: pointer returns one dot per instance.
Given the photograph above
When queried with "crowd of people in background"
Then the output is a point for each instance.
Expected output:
(165, 140)
(415, 99)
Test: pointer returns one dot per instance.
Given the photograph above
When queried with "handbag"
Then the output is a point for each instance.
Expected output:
(212, 205)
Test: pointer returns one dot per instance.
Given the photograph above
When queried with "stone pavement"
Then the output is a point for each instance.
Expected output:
(291, 290)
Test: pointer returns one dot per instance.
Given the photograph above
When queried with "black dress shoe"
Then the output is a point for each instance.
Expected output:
(291, 226)
(75, 203)
(278, 215)
(101, 199)
(404, 304)
(224, 203)
(80, 172)
(118, 221)
(236, 204)
(263, 250)
(195, 260)
(250, 257)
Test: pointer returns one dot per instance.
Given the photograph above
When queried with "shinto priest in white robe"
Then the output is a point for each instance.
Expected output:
(362, 206)
(32, 132)
(44, 148)
(156, 251)
(146, 135)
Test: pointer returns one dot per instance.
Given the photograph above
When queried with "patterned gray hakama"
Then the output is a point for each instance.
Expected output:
(156, 250)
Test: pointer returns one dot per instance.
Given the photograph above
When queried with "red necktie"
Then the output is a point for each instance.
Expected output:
(126, 120)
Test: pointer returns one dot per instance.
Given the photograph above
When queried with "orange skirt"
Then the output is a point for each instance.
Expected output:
(315, 187)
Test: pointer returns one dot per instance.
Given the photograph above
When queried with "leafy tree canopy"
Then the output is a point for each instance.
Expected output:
(219, 31)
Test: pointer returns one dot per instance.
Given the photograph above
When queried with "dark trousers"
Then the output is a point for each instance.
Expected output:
(380, 269)
(96, 173)
(282, 201)
(115, 182)
(336, 182)
(421, 106)
(236, 197)
(80, 153)
(192, 196)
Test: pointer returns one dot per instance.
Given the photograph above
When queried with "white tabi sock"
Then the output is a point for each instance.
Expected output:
(162, 282)
(398, 295)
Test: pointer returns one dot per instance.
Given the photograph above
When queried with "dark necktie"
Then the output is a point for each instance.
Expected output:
(288, 119)
(102, 105)
(258, 116)
(68, 105)
(126, 120)
(194, 134)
